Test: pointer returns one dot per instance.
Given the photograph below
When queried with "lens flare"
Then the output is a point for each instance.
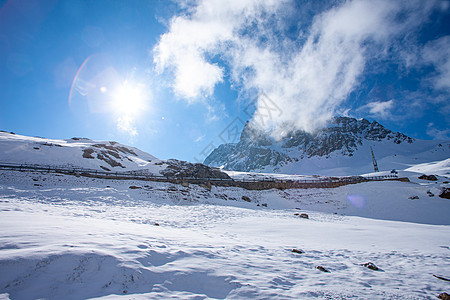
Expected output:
(91, 84)
(100, 88)
(357, 201)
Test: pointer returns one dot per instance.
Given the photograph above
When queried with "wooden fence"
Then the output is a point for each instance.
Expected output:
(251, 184)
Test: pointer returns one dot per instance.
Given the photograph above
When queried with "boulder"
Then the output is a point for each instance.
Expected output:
(444, 296)
(371, 266)
(180, 169)
(245, 198)
(445, 193)
(320, 268)
(428, 177)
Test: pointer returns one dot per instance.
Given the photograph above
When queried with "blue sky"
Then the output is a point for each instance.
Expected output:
(177, 78)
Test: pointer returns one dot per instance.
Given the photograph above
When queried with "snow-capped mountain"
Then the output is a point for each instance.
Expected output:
(342, 148)
(96, 155)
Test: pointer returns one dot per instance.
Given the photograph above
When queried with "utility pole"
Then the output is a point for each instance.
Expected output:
(374, 161)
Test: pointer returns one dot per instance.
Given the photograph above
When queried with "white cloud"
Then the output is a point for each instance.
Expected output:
(126, 125)
(438, 134)
(200, 138)
(437, 53)
(381, 109)
(308, 78)
(192, 37)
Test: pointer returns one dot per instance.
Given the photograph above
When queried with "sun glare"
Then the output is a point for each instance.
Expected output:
(128, 99)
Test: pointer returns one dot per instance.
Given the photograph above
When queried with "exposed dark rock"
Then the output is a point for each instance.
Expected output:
(297, 251)
(221, 153)
(113, 153)
(441, 278)
(304, 216)
(445, 193)
(133, 187)
(264, 204)
(87, 153)
(322, 269)
(80, 138)
(50, 144)
(428, 177)
(444, 296)
(245, 198)
(206, 185)
(108, 153)
(371, 266)
(413, 197)
(222, 196)
(430, 193)
(172, 188)
(103, 156)
(179, 169)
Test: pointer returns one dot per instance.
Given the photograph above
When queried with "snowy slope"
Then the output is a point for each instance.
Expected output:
(75, 152)
(96, 155)
(67, 237)
(436, 167)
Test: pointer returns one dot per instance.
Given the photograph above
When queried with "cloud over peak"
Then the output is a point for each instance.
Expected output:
(308, 72)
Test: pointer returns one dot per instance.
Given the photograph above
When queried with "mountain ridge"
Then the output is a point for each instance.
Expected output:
(341, 148)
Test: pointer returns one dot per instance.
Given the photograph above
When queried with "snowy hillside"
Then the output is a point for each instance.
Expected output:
(75, 152)
(67, 237)
(343, 148)
(96, 155)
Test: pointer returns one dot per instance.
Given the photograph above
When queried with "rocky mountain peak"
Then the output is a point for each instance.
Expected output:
(257, 149)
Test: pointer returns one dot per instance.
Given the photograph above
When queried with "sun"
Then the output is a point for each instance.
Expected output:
(129, 99)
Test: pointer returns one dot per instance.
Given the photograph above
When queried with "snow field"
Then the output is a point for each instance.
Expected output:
(77, 238)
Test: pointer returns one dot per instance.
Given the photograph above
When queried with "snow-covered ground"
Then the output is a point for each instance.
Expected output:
(436, 167)
(254, 176)
(67, 237)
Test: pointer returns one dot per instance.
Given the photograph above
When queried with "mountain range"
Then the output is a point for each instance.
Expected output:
(343, 147)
